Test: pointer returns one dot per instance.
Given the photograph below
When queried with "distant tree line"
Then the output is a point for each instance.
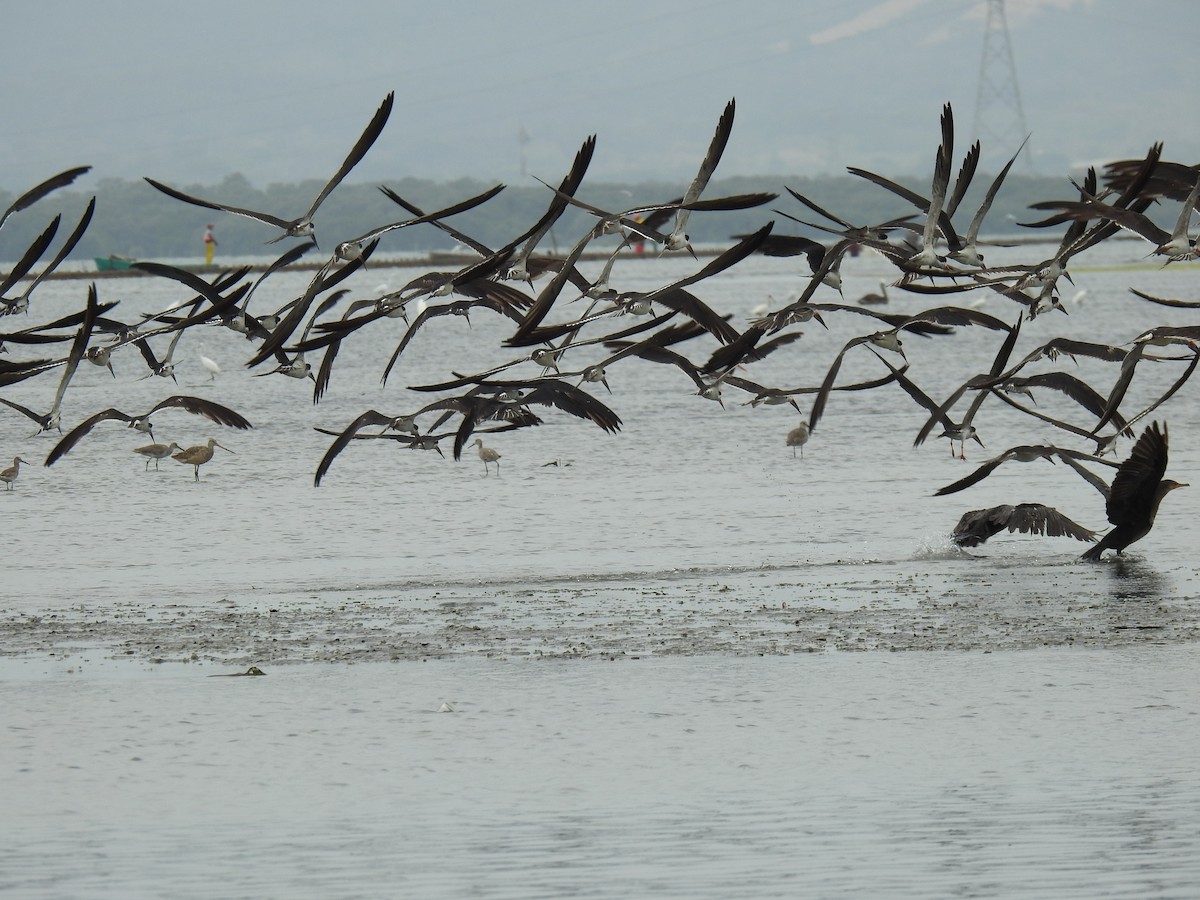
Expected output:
(134, 219)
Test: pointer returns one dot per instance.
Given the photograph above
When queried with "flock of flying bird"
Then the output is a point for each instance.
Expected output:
(931, 254)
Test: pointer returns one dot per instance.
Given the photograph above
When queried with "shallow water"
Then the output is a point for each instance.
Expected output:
(1063, 773)
(1040, 744)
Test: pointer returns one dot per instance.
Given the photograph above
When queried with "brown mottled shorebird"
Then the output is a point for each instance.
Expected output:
(9, 475)
(198, 455)
(797, 438)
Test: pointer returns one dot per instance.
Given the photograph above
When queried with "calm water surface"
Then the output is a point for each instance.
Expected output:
(1042, 773)
(706, 770)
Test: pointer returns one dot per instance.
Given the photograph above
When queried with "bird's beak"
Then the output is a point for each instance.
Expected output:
(223, 447)
(819, 318)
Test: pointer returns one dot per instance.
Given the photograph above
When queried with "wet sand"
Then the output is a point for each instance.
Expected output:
(737, 612)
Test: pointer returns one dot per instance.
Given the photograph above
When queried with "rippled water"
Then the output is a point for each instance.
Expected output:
(1043, 773)
(738, 749)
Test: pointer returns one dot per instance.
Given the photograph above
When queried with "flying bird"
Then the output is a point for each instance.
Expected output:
(215, 412)
(302, 226)
(976, 526)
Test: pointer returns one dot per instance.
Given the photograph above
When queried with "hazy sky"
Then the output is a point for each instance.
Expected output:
(278, 91)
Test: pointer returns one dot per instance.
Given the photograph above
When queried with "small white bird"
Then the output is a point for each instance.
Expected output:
(211, 366)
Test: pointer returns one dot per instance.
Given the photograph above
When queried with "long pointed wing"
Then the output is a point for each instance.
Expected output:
(358, 151)
(208, 204)
(31, 256)
(65, 250)
(78, 348)
(993, 188)
(36, 193)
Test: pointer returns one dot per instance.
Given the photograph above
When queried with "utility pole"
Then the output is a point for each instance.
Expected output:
(522, 140)
(999, 117)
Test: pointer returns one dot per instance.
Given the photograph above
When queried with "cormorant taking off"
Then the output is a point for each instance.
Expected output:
(1136, 492)
(1133, 500)
(976, 526)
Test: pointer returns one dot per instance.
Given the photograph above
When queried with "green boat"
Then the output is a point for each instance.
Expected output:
(113, 263)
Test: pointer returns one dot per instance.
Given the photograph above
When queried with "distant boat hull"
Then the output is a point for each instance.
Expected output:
(113, 263)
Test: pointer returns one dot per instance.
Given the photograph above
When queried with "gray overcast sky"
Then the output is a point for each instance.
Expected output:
(278, 91)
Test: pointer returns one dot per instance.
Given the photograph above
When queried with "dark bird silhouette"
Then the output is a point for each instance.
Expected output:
(302, 226)
(36, 193)
(20, 303)
(1031, 453)
(352, 249)
(78, 347)
(1136, 493)
(976, 526)
(27, 261)
(1174, 245)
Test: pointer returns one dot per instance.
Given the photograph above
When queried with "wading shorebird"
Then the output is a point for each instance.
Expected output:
(198, 455)
(488, 455)
(215, 412)
(797, 438)
(156, 452)
(9, 475)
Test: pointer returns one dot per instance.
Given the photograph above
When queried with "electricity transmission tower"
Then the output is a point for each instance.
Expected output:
(999, 118)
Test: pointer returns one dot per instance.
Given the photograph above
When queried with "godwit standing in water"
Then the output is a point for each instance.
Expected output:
(9, 475)
(488, 455)
(797, 438)
(198, 455)
(156, 452)
(222, 415)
